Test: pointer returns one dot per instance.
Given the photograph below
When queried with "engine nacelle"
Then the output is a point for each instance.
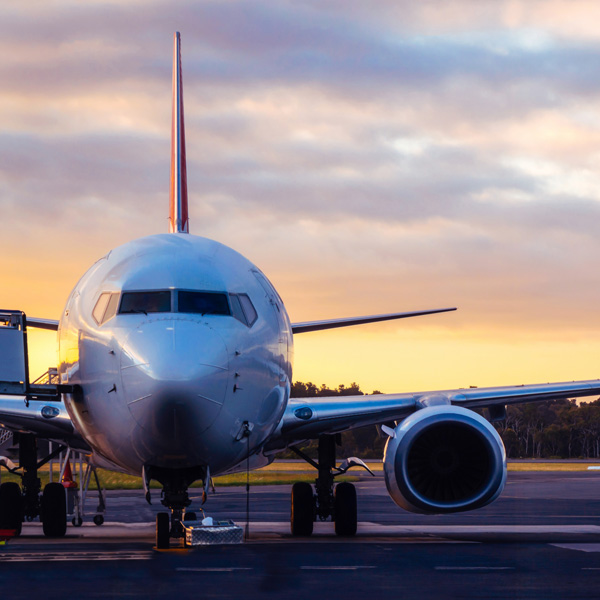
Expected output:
(444, 459)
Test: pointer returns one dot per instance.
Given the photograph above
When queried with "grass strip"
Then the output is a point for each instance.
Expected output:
(119, 481)
(533, 466)
(282, 473)
(550, 466)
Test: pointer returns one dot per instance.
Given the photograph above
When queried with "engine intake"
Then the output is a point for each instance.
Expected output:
(444, 459)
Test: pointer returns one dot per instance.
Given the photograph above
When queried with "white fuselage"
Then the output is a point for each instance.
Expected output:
(173, 389)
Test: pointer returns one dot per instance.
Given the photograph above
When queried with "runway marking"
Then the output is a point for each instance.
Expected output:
(581, 547)
(338, 568)
(212, 569)
(442, 568)
(74, 556)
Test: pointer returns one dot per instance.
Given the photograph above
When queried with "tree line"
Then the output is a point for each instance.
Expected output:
(551, 429)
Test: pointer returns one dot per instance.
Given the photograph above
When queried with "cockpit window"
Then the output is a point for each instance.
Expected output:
(236, 308)
(145, 302)
(111, 309)
(204, 303)
(243, 309)
(249, 309)
(106, 307)
(100, 308)
(181, 301)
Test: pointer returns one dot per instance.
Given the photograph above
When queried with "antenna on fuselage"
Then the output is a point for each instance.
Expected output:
(178, 215)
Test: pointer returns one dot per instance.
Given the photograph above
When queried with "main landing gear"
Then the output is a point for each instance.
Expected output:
(17, 505)
(339, 503)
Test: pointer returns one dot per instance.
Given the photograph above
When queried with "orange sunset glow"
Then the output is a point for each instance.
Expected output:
(368, 158)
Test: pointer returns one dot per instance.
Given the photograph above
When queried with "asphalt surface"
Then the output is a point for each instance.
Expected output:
(541, 539)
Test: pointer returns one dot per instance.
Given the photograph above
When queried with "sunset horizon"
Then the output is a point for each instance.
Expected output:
(368, 160)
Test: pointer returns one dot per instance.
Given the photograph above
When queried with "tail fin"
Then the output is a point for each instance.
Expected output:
(178, 216)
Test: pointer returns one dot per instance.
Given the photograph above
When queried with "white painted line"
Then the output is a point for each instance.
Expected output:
(474, 568)
(213, 569)
(74, 556)
(338, 568)
(580, 547)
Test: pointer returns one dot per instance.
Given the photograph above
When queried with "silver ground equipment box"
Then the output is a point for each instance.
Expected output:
(221, 532)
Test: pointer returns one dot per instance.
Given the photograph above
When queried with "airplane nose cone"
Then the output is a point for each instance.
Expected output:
(174, 374)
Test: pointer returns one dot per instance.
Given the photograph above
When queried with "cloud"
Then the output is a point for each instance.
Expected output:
(368, 157)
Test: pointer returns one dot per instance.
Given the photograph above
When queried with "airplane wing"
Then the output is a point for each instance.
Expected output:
(50, 324)
(347, 322)
(307, 418)
(304, 327)
(47, 419)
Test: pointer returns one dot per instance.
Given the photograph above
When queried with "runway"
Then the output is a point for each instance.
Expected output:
(540, 540)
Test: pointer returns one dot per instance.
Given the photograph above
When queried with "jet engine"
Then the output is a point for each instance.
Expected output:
(444, 459)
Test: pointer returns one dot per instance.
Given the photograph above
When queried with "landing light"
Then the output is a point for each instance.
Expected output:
(49, 412)
(304, 413)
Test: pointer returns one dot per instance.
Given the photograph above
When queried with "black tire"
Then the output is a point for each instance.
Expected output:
(77, 521)
(303, 509)
(98, 520)
(163, 529)
(189, 516)
(11, 507)
(54, 510)
(345, 512)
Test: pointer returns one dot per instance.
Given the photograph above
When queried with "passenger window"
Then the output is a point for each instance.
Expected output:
(111, 309)
(100, 308)
(248, 308)
(204, 303)
(145, 302)
(236, 309)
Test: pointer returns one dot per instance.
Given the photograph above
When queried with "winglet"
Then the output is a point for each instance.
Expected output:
(178, 216)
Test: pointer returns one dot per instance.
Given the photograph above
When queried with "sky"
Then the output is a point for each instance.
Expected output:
(368, 157)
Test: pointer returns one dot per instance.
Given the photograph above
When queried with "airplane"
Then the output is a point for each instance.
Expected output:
(175, 364)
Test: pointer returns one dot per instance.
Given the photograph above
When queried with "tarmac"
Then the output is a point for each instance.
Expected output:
(541, 539)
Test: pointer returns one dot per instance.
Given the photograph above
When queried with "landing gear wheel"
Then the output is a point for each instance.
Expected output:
(98, 520)
(11, 507)
(189, 516)
(54, 510)
(77, 521)
(345, 509)
(303, 509)
(163, 530)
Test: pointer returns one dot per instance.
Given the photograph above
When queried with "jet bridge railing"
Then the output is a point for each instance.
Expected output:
(14, 362)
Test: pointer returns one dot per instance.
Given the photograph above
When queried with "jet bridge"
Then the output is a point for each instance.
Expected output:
(59, 499)
(14, 362)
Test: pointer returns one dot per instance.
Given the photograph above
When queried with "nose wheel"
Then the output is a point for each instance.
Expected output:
(163, 530)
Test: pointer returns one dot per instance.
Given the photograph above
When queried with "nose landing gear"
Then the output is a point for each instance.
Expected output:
(175, 498)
